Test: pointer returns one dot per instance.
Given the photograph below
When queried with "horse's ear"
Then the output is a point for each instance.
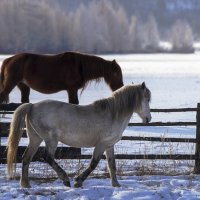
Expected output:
(143, 85)
(114, 61)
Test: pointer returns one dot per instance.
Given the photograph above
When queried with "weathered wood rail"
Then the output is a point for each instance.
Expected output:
(75, 153)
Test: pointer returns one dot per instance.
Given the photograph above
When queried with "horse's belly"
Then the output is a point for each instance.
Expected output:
(89, 137)
(44, 86)
(79, 141)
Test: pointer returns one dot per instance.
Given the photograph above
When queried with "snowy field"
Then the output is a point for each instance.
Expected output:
(174, 81)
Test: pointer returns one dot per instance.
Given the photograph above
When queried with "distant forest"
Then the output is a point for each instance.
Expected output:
(98, 26)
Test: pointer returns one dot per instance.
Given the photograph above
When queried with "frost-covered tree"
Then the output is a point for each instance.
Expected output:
(144, 37)
(181, 37)
(100, 28)
(123, 25)
(87, 30)
(28, 26)
(97, 27)
(137, 35)
(152, 34)
(7, 24)
(39, 26)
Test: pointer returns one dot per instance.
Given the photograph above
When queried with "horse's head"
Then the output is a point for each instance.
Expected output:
(144, 110)
(114, 78)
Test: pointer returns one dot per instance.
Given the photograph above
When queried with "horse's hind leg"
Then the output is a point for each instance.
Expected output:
(34, 143)
(25, 92)
(96, 157)
(5, 92)
(8, 86)
(51, 146)
(112, 166)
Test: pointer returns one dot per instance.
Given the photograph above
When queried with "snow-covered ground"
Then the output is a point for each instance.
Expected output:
(174, 80)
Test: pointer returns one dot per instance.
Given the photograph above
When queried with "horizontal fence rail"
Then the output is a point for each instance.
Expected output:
(165, 124)
(4, 126)
(75, 153)
(12, 106)
(166, 110)
(158, 139)
(138, 138)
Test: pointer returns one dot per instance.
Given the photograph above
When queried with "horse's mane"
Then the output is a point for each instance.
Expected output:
(123, 101)
(94, 68)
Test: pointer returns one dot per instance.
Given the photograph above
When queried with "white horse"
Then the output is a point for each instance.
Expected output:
(98, 125)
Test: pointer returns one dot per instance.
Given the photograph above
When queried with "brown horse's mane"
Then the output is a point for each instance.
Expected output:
(95, 68)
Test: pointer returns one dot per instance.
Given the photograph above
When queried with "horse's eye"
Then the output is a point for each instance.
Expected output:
(148, 99)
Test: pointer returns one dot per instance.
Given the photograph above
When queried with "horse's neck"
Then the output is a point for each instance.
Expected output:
(121, 111)
(124, 116)
(121, 122)
(95, 70)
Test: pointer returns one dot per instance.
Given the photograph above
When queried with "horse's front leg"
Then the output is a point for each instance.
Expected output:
(96, 157)
(112, 166)
(25, 92)
(73, 96)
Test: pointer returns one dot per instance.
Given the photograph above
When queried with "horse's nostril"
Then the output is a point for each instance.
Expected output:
(148, 120)
(145, 120)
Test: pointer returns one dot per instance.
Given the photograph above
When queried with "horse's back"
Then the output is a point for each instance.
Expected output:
(61, 110)
(68, 64)
(45, 73)
(48, 65)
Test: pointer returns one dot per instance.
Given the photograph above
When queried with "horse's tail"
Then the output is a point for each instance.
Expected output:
(5, 62)
(16, 130)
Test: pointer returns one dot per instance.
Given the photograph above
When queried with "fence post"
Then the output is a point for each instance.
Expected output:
(197, 148)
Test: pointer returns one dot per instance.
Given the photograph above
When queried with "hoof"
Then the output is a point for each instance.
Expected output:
(77, 184)
(77, 179)
(25, 184)
(116, 185)
(67, 183)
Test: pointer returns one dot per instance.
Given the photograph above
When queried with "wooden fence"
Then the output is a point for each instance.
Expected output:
(75, 153)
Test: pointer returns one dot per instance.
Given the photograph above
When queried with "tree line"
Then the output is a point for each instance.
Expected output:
(98, 27)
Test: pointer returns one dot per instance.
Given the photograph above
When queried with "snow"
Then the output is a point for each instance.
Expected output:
(174, 80)
(133, 187)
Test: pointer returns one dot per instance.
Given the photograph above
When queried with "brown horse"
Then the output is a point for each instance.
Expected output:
(52, 73)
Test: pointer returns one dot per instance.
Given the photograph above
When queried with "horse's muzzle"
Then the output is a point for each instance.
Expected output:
(147, 120)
